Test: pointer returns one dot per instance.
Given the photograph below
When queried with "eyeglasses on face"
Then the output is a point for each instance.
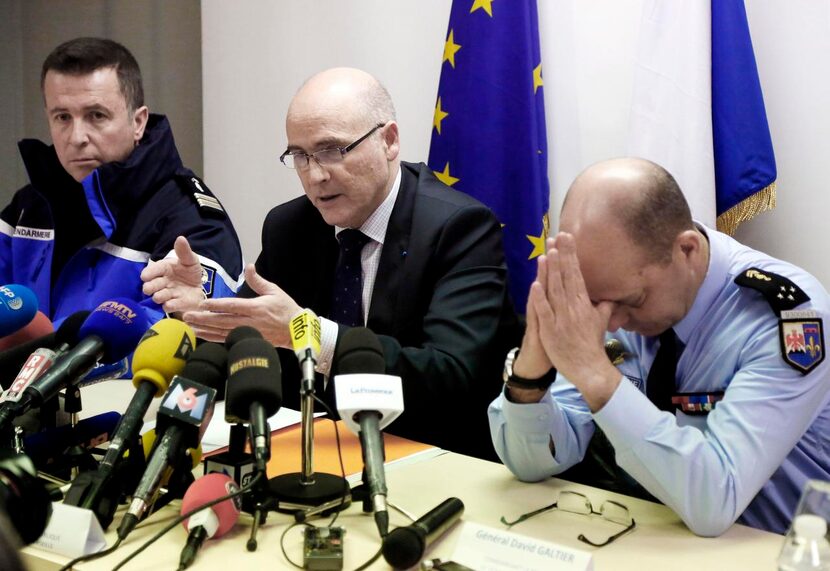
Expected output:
(300, 160)
(578, 503)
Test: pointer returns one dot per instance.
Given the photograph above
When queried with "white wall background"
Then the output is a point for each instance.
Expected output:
(256, 53)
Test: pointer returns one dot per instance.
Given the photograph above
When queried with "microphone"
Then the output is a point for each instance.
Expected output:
(405, 546)
(305, 339)
(185, 411)
(39, 326)
(23, 497)
(48, 447)
(367, 400)
(16, 348)
(160, 355)
(254, 390)
(34, 366)
(12, 359)
(109, 334)
(214, 521)
(306, 489)
(18, 306)
(41, 358)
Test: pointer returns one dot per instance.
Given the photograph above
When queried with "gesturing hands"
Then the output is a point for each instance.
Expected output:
(565, 328)
(269, 313)
(175, 283)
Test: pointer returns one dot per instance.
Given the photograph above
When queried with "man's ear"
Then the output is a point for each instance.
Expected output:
(391, 138)
(689, 242)
(140, 122)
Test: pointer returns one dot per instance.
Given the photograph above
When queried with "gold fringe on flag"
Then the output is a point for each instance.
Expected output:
(747, 209)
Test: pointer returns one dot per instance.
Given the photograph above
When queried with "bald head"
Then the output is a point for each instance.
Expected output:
(348, 110)
(634, 196)
(343, 90)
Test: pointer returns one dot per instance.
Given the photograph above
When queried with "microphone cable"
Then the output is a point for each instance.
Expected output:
(178, 520)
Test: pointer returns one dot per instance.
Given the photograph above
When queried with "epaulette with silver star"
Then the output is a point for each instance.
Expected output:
(781, 293)
(201, 194)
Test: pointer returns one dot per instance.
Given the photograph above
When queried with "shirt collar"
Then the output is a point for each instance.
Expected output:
(375, 226)
(717, 274)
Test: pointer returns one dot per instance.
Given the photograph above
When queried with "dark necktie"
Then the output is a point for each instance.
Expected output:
(347, 295)
(660, 383)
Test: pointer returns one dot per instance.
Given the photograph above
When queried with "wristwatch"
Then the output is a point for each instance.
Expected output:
(512, 380)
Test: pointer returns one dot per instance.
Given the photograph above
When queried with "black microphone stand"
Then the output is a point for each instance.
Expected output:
(261, 500)
(306, 490)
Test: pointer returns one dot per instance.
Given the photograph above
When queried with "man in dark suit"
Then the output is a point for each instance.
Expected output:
(432, 271)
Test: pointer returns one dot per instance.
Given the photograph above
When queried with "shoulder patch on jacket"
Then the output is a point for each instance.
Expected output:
(781, 293)
(201, 194)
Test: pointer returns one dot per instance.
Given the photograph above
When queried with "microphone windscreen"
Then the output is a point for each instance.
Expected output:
(119, 323)
(18, 306)
(239, 333)
(208, 488)
(162, 353)
(38, 327)
(254, 375)
(404, 547)
(208, 365)
(358, 351)
(69, 330)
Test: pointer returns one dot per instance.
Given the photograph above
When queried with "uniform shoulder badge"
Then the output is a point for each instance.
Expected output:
(802, 339)
(780, 292)
(201, 194)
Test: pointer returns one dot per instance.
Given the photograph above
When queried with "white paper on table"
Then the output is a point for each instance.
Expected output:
(72, 531)
(217, 434)
(489, 549)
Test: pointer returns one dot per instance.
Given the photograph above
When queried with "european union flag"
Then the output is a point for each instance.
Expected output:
(489, 137)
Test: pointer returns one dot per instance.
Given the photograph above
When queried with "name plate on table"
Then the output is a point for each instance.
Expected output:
(72, 531)
(489, 549)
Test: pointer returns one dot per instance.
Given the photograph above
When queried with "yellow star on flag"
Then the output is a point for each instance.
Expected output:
(450, 48)
(486, 4)
(446, 177)
(537, 78)
(539, 241)
(439, 116)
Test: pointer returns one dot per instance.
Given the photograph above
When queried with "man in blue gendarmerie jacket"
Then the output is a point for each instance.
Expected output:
(111, 193)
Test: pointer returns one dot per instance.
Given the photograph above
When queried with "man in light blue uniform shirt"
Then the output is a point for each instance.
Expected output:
(747, 418)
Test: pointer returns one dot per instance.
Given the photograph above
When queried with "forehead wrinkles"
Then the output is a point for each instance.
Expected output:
(319, 123)
(95, 90)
